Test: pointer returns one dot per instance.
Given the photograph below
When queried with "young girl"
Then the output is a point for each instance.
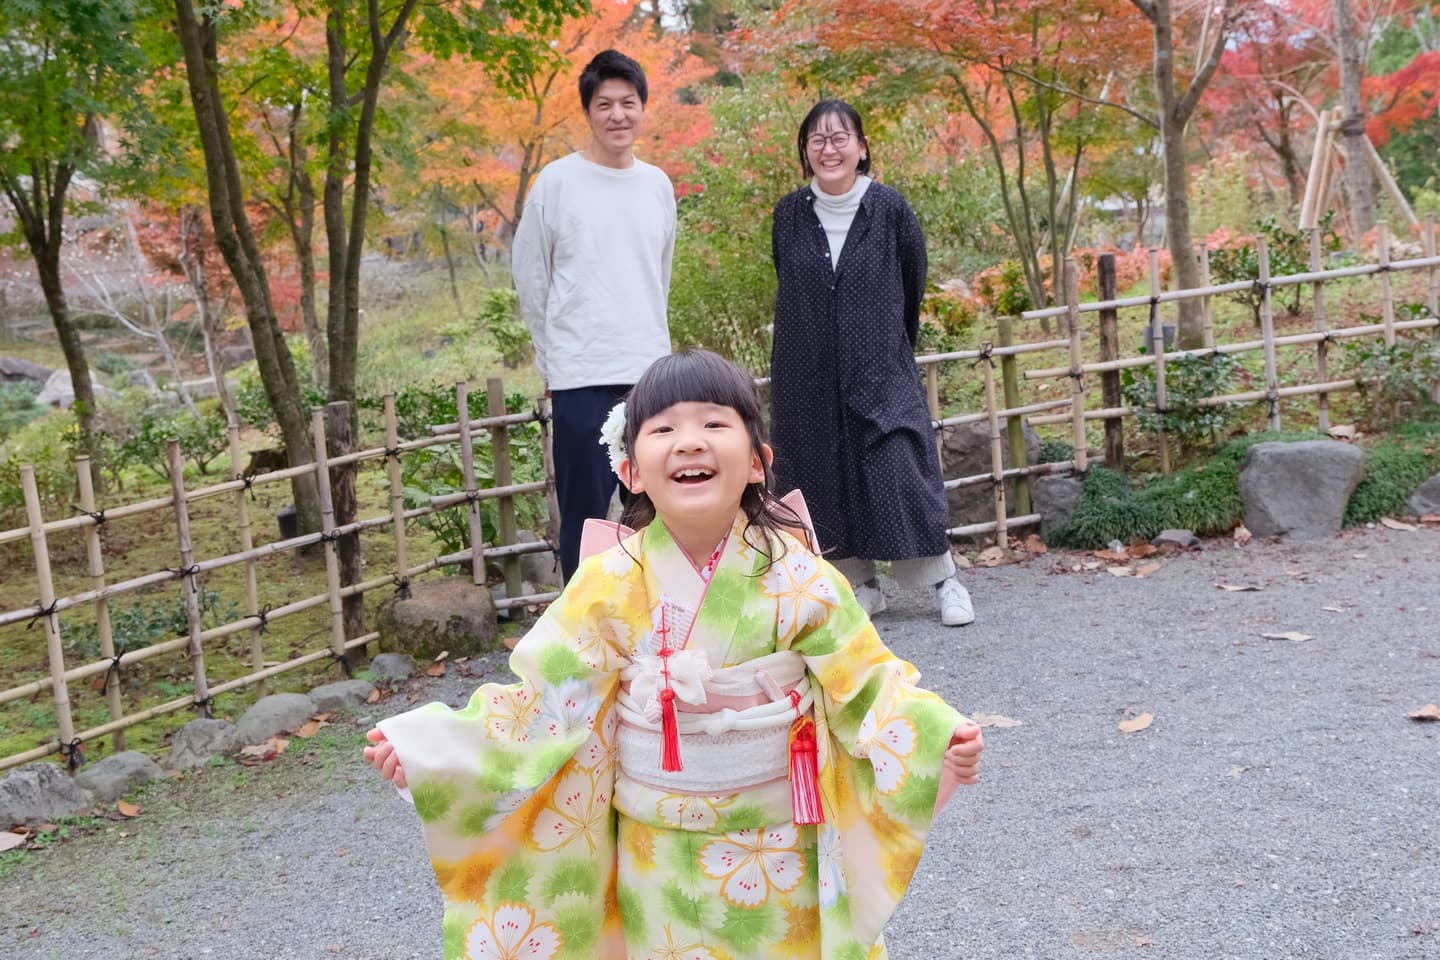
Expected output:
(710, 753)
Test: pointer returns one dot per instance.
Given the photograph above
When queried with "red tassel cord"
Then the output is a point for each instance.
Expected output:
(669, 734)
(805, 773)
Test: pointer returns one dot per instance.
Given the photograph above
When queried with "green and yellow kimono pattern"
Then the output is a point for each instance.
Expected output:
(543, 848)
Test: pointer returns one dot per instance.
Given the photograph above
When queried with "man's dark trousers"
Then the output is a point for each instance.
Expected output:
(584, 482)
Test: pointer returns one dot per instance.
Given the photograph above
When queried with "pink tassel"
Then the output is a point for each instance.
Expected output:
(805, 773)
(669, 734)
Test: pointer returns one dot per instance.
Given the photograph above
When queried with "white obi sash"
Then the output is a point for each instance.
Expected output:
(723, 748)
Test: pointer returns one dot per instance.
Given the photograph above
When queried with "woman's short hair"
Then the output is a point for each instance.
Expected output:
(849, 119)
(611, 65)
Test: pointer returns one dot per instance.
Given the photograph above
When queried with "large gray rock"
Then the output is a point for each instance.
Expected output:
(448, 613)
(1299, 490)
(1055, 499)
(392, 666)
(232, 357)
(201, 739)
(1180, 539)
(277, 713)
(965, 452)
(117, 775)
(332, 697)
(39, 793)
(541, 569)
(59, 389)
(13, 368)
(1426, 499)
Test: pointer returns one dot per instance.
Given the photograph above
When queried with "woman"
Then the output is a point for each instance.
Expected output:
(848, 411)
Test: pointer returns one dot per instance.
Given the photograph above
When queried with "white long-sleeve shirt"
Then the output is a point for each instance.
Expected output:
(591, 263)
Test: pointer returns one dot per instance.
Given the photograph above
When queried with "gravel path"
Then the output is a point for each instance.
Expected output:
(1280, 805)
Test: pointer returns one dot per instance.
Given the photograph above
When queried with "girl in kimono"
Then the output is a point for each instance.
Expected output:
(710, 754)
(852, 428)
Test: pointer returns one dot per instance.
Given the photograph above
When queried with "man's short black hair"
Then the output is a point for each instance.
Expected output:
(611, 65)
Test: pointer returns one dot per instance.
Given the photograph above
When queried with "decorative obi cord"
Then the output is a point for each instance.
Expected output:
(735, 728)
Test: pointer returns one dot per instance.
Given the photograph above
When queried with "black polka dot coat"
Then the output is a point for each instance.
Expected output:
(849, 419)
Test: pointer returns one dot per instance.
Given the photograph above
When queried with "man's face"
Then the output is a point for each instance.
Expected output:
(615, 115)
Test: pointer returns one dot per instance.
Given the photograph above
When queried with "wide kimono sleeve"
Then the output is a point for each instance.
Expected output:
(882, 738)
(515, 790)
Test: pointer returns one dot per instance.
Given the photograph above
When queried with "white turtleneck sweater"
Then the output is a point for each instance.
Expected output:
(837, 212)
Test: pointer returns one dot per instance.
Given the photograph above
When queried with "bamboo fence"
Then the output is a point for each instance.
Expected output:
(1004, 415)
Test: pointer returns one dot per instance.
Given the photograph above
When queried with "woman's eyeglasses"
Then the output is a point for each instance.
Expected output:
(840, 139)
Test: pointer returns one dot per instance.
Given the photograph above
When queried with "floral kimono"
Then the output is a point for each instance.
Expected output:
(545, 845)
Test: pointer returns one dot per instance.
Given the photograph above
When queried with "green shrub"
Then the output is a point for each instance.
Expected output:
(1395, 380)
(17, 405)
(201, 438)
(1188, 379)
(1055, 451)
(501, 317)
(145, 621)
(48, 444)
(1289, 254)
(1393, 469)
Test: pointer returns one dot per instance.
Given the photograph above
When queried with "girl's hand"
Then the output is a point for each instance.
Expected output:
(382, 757)
(961, 764)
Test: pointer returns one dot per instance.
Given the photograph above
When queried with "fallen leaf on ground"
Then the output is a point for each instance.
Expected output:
(257, 753)
(1242, 535)
(1114, 556)
(310, 728)
(994, 720)
(1360, 556)
(1430, 518)
(436, 669)
(1147, 569)
(1091, 565)
(1428, 713)
(127, 809)
(323, 717)
(1334, 609)
(9, 841)
(1288, 635)
(511, 642)
(1343, 431)
(441, 655)
(1033, 544)
(1237, 588)
(373, 696)
(1396, 524)
(1140, 549)
(992, 556)
(1121, 571)
(1136, 724)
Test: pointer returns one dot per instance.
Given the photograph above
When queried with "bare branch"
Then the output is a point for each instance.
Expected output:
(1149, 121)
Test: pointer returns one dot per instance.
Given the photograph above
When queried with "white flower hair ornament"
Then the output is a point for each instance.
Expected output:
(612, 435)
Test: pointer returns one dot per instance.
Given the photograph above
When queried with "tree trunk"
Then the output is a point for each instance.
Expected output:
(192, 261)
(1359, 178)
(241, 253)
(302, 232)
(47, 262)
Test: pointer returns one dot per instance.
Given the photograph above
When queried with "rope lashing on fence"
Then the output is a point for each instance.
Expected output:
(539, 417)
(344, 662)
(263, 615)
(72, 754)
(987, 349)
(402, 587)
(115, 666)
(42, 612)
(249, 484)
(393, 453)
(472, 496)
(203, 704)
(97, 515)
(331, 536)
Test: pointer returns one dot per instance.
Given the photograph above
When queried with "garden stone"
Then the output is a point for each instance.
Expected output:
(199, 740)
(141, 379)
(232, 357)
(392, 666)
(1055, 499)
(1184, 539)
(112, 778)
(1425, 500)
(333, 697)
(14, 369)
(965, 452)
(59, 390)
(39, 793)
(1299, 490)
(541, 569)
(448, 613)
(277, 713)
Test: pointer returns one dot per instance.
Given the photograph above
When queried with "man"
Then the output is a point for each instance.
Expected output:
(591, 263)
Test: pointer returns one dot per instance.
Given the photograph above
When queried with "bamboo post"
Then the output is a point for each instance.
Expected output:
(1432, 293)
(190, 580)
(1387, 292)
(1267, 332)
(547, 453)
(247, 543)
(59, 689)
(1110, 350)
(500, 460)
(1207, 317)
(102, 604)
(339, 425)
(1322, 347)
(397, 495)
(997, 452)
(1077, 359)
(1014, 426)
(327, 525)
(467, 466)
(932, 399)
(1319, 160)
(1157, 343)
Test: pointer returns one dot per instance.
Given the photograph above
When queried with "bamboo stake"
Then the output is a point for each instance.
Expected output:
(247, 543)
(1322, 347)
(1382, 173)
(997, 456)
(1006, 414)
(1157, 343)
(505, 528)
(190, 581)
(1035, 470)
(1207, 316)
(1014, 428)
(1387, 293)
(1432, 295)
(467, 464)
(547, 453)
(328, 537)
(47, 601)
(1267, 331)
(397, 496)
(1333, 386)
(102, 606)
(1077, 359)
(1319, 157)
(932, 400)
(1110, 393)
(1000, 351)
(977, 529)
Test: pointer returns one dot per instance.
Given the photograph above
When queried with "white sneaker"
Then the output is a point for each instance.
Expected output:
(872, 601)
(956, 610)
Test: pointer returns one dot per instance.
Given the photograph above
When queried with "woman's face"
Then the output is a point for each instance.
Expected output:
(834, 152)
